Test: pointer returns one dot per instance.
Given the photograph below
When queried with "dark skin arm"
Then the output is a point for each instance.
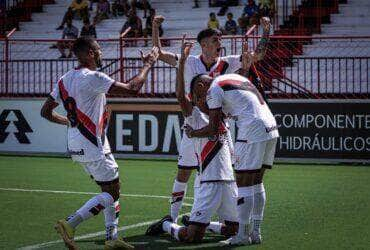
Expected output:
(134, 85)
(130, 89)
(47, 112)
(215, 120)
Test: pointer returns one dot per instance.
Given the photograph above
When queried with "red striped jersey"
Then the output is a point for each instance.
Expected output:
(240, 99)
(215, 153)
(82, 93)
(195, 65)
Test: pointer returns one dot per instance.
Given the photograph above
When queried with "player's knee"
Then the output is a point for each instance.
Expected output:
(113, 189)
(195, 234)
(230, 229)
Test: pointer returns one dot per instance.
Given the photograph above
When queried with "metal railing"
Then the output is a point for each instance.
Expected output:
(294, 66)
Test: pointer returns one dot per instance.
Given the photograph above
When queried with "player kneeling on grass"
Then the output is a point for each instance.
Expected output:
(82, 92)
(234, 95)
(217, 192)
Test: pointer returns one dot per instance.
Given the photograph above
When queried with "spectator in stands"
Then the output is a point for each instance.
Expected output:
(77, 9)
(88, 30)
(102, 11)
(134, 22)
(148, 26)
(251, 9)
(120, 7)
(141, 4)
(69, 32)
(230, 25)
(196, 4)
(242, 26)
(213, 22)
(92, 3)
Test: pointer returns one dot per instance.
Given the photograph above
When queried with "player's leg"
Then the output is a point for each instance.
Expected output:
(186, 163)
(259, 192)
(247, 165)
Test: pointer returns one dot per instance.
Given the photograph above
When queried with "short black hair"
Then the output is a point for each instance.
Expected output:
(83, 45)
(195, 79)
(212, 14)
(207, 33)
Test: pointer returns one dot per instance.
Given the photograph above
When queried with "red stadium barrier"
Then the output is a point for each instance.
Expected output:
(286, 72)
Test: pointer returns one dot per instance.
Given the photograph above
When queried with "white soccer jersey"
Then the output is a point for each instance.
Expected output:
(214, 154)
(195, 66)
(240, 99)
(82, 93)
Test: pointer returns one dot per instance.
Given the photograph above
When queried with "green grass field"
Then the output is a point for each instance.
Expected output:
(308, 206)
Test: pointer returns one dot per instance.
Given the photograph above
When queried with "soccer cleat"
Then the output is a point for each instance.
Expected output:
(256, 238)
(156, 228)
(67, 233)
(236, 241)
(117, 244)
(185, 220)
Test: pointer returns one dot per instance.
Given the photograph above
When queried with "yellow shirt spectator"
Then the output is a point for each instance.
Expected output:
(79, 4)
(213, 22)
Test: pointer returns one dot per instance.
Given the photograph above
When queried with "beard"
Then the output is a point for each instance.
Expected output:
(98, 62)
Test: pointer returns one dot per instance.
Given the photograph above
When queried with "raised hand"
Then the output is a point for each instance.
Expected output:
(247, 57)
(185, 47)
(158, 20)
(266, 24)
(151, 57)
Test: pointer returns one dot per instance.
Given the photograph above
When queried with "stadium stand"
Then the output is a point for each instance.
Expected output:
(308, 63)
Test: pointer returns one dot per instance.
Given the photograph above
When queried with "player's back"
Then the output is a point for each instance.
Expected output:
(242, 101)
(82, 92)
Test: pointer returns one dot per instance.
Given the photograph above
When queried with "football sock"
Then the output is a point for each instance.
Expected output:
(178, 194)
(74, 220)
(172, 228)
(111, 214)
(214, 227)
(259, 205)
(90, 208)
(245, 208)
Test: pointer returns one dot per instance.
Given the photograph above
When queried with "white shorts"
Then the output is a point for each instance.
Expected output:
(253, 156)
(102, 171)
(215, 198)
(187, 156)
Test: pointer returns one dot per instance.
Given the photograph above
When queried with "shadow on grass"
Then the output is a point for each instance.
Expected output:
(162, 242)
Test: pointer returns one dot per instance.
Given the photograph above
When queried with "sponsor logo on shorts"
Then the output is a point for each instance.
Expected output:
(81, 152)
(198, 213)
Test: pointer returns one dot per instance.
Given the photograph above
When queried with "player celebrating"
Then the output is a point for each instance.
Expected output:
(82, 92)
(209, 62)
(217, 190)
(234, 95)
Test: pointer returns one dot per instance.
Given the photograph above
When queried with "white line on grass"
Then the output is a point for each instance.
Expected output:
(87, 193)
(92, 235)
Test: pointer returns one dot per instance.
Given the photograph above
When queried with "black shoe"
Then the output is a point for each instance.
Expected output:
(185, 220)
(156, 228)
(60, 27)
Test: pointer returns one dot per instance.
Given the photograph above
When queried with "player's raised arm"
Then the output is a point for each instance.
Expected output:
(133, 86)
(164, 56)
(262, 44)
(184, 100)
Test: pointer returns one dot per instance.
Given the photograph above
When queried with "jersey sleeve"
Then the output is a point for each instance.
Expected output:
(214, 97)
(55, 94)
(100, 83)
(234, 61)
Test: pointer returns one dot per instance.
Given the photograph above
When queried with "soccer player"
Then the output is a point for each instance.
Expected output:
(82, 92)
(217, 190)
(237, 97)
(211, 63)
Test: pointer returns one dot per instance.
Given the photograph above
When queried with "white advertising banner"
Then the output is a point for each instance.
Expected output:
(22, 129)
